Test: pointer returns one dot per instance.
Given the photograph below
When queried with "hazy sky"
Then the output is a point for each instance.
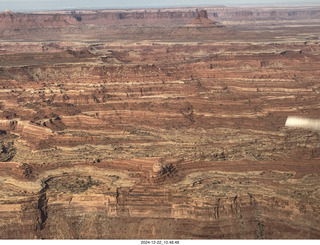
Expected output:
(30, 5)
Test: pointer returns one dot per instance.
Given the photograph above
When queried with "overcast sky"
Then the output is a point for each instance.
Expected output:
(31, 5)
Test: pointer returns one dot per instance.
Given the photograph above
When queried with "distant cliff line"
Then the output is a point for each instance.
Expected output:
(154, 17)
(10, 19)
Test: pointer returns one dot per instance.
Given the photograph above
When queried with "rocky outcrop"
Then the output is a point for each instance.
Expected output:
(151, 24)
(203, 20)
(10, 20)
(7, 149)
(103, 201)
(184, 139)
(122, 24)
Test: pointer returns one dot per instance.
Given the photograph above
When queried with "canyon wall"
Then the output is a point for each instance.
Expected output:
(248, 14)
(151, 24)
(142, 135)
(100, 18)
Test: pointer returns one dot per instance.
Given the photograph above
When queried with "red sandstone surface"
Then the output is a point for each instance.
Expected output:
(159, 124)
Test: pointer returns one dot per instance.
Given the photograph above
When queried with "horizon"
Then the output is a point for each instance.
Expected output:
(60, 5)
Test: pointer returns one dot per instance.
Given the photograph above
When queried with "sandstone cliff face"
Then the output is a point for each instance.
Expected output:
(110, 203)
(100, 18)
(202, 19)
(139, 24)
(155, 24)
(245, 14)
(159, 139)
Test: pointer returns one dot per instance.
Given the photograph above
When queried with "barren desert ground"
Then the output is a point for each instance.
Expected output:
(159, 124)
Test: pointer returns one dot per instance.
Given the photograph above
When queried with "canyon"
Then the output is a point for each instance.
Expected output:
(159, 124)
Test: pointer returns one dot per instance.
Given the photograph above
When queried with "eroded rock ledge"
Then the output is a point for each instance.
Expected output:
(120, 199)
(159, 139)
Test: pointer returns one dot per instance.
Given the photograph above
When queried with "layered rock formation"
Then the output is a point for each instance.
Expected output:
(49, 25)
(268, 14)
(182, 24)
(158, 139)
(202, 19)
